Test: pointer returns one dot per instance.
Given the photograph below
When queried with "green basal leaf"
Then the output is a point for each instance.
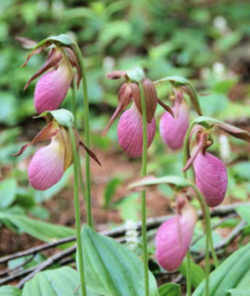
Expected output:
(197, 273)
(239, 292)
(110, 191)
(136, 74)
(63, 281)
(244, 213)
(229, 275)
(8, 189)
(242, 171)
(171, 180)
(111, 269)
(10, 291)
(170, 289)
(39, 229)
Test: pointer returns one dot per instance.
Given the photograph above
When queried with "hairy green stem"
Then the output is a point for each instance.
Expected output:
(86, 133)
(208, 230)
(200, 197)
(73, 106)
(77, 213)
(73, 101)
(188, 274)
(207, 267)
(143, 194)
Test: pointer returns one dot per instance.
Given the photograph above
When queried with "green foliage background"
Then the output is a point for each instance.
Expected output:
(166, 37)
(205, 41)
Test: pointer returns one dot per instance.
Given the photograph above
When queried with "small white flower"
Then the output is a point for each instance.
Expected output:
(220, 23)
(131, 234)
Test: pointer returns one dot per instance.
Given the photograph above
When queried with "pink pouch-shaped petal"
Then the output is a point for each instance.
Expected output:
(211, 178)
(47, 166)
(173, 239)
(130, 134)
(52, 88)
(173, 130)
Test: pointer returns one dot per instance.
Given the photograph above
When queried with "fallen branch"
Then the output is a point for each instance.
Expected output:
(152, 223)
(65, 257)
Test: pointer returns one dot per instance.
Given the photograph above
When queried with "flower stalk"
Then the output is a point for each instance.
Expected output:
(200, 197)
(143, 194)
(73, 100)
(86, 133)
(188, 274)
(77, 213)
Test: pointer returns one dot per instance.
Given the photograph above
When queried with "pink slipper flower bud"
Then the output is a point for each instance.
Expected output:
(52, 87)
(130, 132)
(210, 177)
(47, 166)
(174, 237)
(173, 129)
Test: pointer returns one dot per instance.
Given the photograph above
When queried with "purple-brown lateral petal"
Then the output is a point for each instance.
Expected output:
(149, 95)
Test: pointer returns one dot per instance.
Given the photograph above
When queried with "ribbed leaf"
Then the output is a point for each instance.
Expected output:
(170, 289)
(63, 281)
(9, 291)
(112, 269)
(228, 275)
(39, 229)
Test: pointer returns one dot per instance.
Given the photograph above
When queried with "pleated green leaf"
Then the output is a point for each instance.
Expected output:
(63, 281)
(111, 268)
(170, 289)
(9, 291)
(230, 275)
(39, 229)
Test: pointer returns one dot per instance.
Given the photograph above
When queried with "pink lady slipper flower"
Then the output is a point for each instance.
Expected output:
(210, 177)
(52, 87)
(49, 163)
(210, 172)
(173, 129)
(129, 131)
(130, 127)
(174, 236)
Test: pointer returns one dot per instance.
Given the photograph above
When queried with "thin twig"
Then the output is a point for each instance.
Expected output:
(213, 227)
(225, 242)
(50, 261)
(35, 250)
(16, 268)
(24, 272)
(152, 223)
(234, 233)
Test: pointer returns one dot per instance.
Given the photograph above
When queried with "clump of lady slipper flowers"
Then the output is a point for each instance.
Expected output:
(174, 236)
(130, 133)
